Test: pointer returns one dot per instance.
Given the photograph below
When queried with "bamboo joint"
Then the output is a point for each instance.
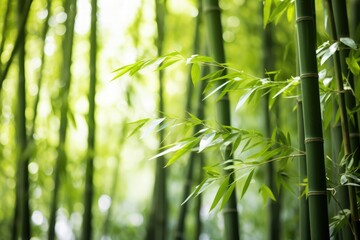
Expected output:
(314, 139)
(304, 18)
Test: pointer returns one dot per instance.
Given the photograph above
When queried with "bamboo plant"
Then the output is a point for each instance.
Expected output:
(157, 225)
(89, 185)
(216, 50)
(70, 9)
(317, 195)
(180, 229)
(21, 224)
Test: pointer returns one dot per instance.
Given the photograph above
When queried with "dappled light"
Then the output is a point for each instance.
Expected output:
(195, 119)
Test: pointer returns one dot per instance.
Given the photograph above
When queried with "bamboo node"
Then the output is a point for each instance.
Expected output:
(314, 139)
(317, 193)
(354, 135)
(306, 75)
(304, 18)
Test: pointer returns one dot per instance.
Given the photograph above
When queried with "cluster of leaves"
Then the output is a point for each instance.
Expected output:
(250, 150)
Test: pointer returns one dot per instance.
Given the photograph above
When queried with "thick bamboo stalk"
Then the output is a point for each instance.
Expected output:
(317, 195)
(89, 185)
(70, 9)
(216, 49)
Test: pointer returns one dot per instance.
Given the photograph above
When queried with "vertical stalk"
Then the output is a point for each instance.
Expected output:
(304, 204)
(346, 127)
(65, 78)
(5, 28)
(306, 36)
(180, 229)
(89, 186)
(216, 48)
(22, 209)
(25, 5)
(341, 29)
(157, 225)
(274, 207)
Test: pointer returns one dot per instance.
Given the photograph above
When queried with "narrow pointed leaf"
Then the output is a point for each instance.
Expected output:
(220, 193)
(247, 183)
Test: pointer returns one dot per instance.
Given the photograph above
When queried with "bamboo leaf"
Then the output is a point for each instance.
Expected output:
(199, 59)
(152, 125)
(181, 151)
(195, 73)
(266, 11)
(140, 123)
(206, 183)
(247, 183)
(227, 195)
(244, 98)
(217, 89)
(348, 42)
(220, 192)
(329, 52)
(206, 141)
(266, 193)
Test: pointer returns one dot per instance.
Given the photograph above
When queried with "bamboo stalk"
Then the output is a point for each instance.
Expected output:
(216, 49)
(22, 214)
(70, 9)
(338, 23)
(317, 195)
(180, 229)
(157, 225)
(89, 185)
(21, 29)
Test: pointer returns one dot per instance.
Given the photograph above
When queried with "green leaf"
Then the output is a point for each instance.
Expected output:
(181, 151)
(220, 192)
(266, 11)
(353, 64)
(138, 124)
(195, 73)
(199, 59)
(244, 98)
(206, 141)
(329, 52)
(227, 195)
(152, 125)
(205, 184)
(291, 12)
(266, 194)
(247, 183)
(348, 42)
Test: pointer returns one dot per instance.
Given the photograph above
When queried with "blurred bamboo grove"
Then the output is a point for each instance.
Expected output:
(164, 119)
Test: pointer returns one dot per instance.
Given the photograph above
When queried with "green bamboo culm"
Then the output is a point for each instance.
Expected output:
(181, 228)
(317, 195)
(216, 48)
(21, 224)
(157, 223)
(304, 204)
(349, 144)
(65, 78)
(89, 185)
(341, 30)
(355, 20)
(25, 5)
